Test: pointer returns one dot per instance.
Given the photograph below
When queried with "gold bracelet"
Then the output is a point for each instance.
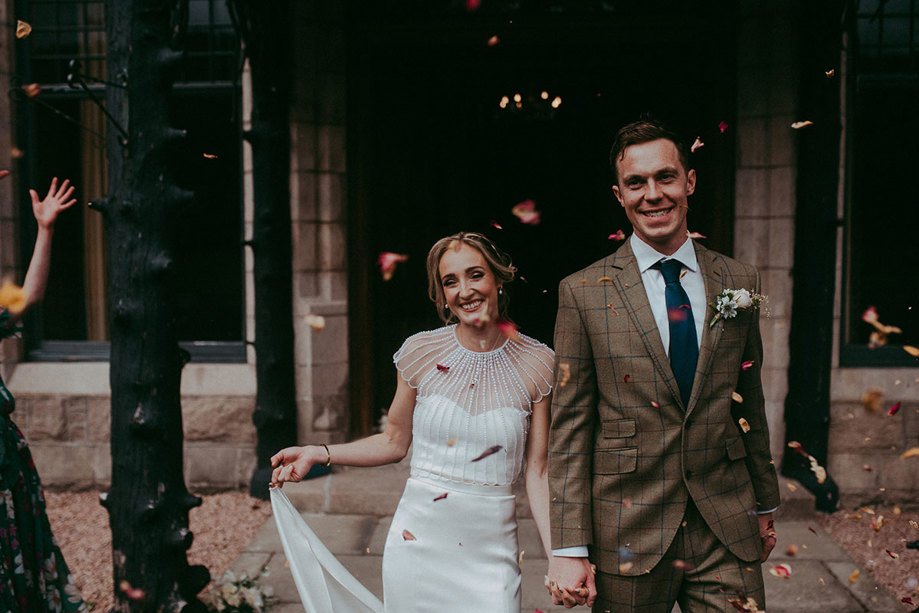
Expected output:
(328, 461)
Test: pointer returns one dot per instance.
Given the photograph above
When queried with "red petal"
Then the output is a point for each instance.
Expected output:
(495, 224)
(387, 262)
(627, 378)
(441, 497)
(655, 405)
(472, 5)
(893, 410)
(442, 368)
(812, 529)
(491, 450)
(508, 329)
(722, 126)
(747, 364)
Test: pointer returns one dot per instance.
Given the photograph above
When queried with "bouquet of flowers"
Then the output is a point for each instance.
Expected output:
(241, 594)
(729, 301)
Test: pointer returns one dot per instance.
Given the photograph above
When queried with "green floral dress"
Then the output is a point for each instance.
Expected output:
(33, 575)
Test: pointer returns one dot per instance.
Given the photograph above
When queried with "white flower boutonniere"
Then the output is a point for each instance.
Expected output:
(729, 301)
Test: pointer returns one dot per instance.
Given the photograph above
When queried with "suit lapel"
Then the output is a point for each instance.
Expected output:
(710, 267)
(632, 291)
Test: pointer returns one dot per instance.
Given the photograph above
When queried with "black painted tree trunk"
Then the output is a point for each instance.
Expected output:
(148, 502)
(267, 34)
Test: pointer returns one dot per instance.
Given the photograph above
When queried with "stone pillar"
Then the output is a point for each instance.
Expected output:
(765, 186)
(318, 182)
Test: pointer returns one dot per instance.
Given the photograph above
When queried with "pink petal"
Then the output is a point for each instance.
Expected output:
(893, 410)
(526, 212)
(508, 329)
(387, 262)
(870, 314)
(696, 145)
(496, 225)
(746, 365)
(618, 235)
(472, 5)
(695, 235)
(722, 126)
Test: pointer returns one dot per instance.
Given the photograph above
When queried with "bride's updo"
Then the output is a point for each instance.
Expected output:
(498, 261)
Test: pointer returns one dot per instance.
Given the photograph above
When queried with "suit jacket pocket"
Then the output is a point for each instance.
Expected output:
(615, 461)
(735, 449)
(618, 428)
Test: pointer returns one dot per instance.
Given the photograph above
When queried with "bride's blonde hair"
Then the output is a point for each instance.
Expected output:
(498, 261)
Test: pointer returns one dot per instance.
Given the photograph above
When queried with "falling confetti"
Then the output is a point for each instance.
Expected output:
(316, 322)
(564, 374)
(210, 156)
(854, 576)
(494, 40)
(627, 378)
(31, 89)
(441, 497)
(451, 442)
(781, 570)
(16, 153)
(526, 212)
(490, 451)
(472, 5)
(520, 557)
(736, 397)
(408, 536)
(871, 400)
(695, 235)
(133, 593)
(12, 297)
(744, 425)
(604, 280)
(867, 468)
(878, 522)
(893, 410)
(910, 453)
(791, 550)
(697, 144)
(23, 29)
(914, 524)
(682, 565)
(819, 471)
(722, 126)
(655, 405)
(387, 262)
(509, 329)
(801, 124)
(878, 337)
(913, 351)
(626, 567)
(830, 73)
(811, 528)
(892, 554)
(618, 235)
(496, 225)
(746, 365)
(792, 487)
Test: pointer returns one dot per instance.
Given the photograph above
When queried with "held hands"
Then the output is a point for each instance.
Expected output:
(58, 199)
(571, 581)
(292, 464)
(766, 534)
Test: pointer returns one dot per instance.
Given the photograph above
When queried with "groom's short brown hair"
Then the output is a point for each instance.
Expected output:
(645, 131)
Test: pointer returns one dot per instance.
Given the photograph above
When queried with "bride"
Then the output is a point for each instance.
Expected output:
(474, 400)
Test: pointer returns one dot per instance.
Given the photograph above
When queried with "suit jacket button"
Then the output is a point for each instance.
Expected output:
(689, 474)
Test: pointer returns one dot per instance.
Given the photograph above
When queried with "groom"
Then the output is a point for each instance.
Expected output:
(659, 466)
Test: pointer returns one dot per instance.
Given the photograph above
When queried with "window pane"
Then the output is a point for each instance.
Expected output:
(883, 259)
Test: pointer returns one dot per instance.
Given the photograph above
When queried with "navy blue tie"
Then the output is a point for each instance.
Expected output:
(684, 349)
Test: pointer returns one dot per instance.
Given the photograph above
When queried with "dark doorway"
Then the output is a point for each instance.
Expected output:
(433, 151)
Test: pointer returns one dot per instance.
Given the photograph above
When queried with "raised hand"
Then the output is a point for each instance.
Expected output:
(58, 199)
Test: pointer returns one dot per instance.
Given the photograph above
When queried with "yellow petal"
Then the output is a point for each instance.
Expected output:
(744, 425)
(912, 452)
(23, 29)
(911, 350)
(736, 397)
(854, 576)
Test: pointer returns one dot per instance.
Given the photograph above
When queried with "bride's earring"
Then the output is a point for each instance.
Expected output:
(500, 290)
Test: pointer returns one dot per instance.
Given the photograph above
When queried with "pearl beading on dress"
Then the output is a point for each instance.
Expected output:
(470, 401)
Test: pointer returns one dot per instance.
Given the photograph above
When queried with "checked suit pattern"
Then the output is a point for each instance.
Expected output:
(626, 454)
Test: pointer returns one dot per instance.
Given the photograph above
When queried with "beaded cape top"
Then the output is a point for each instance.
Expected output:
(471, 401)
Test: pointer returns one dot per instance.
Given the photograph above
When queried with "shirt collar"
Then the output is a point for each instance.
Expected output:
(646, 255)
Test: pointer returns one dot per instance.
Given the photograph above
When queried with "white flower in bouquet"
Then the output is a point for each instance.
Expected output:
(730, 301)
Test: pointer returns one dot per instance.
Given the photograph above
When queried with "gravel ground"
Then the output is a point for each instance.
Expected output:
(222, 526)
(858, 532)
(225, 523)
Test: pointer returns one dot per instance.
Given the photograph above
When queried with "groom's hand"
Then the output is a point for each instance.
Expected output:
(571, 581)
(766, 534)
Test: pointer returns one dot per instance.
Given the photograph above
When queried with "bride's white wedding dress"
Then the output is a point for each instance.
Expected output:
(452, 544)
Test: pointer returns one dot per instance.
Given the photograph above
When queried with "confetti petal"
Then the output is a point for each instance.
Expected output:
(913, 351)
(791, 550)
(871, 400)
(451, 442)
(387, 262)
(878, 522)
(655, 405)
(408, 536)
(830, 73)
(490, 451)
(604, 280)
(792, 487)
(31, 89)
(722, 126)
(442, 368)
(736, 397)
(854, 576)
(496, 225)
(746, 365)
(695, 235)
(210, 156)
(564, 374)
(744, 425)
(12, 297)
(627, 378)
(626, 567)
(520, 557)
(910, 453)
(811, 528)
(892, 554)
(509, 329)
(618, 235)
(23, 29)
(870, 315)
(682, 565)
(801, 124)
(494, 40)
(781, 570)
(472, 5)
(697, 144)
(316, 322)
(133, 593)
(526, 212)
(893, 410)
(441, 497)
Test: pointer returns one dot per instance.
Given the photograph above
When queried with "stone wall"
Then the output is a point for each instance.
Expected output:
(765, 182)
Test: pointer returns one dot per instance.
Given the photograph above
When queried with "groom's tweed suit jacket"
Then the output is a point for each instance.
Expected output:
(625, 455)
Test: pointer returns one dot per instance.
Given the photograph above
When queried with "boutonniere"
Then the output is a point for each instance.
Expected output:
(729, 301)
